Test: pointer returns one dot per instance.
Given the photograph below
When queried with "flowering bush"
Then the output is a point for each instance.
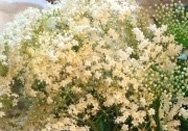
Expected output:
(90, 65)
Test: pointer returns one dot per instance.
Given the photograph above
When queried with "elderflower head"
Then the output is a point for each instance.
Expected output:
(139, 34)
(90, 65)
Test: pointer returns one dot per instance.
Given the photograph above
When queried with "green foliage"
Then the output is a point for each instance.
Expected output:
(175, 16)
(184, 125)
(104, 120)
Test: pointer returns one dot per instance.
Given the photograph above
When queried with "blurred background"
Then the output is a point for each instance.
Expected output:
(152, 3)
(10, 8)
(147, 3)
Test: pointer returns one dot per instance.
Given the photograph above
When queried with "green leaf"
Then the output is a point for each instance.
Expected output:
(184, 125)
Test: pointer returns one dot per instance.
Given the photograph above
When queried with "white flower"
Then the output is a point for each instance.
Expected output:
(184, 113)
(113, 34)
(139, 34)
(125, 128)
(2, 114)
(52, 23)
(164, 28)
(152, 27)
(151, 112)
(3, 57)
(129, 50)
(51, 55)
(49, 100)
(143, 101)
(144, 44)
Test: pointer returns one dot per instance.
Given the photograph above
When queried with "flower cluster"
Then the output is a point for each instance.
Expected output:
(91, 65)
(174, 15)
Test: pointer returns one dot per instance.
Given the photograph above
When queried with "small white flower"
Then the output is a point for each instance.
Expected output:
(184, 113)
(151, 112)
(49, 100)
(125, 128)
(139, 34)
(52, 23)
(129, 50)
(2, 114)
(152, 27)
(51, 55)
(143, 101)
(3, 57)
(164, 28)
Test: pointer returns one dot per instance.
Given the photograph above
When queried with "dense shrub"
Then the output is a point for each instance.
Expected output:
(91, 65)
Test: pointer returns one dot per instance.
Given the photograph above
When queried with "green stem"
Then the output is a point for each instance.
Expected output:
(157, 119)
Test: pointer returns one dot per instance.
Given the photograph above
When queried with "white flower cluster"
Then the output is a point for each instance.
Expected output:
(80, 59)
